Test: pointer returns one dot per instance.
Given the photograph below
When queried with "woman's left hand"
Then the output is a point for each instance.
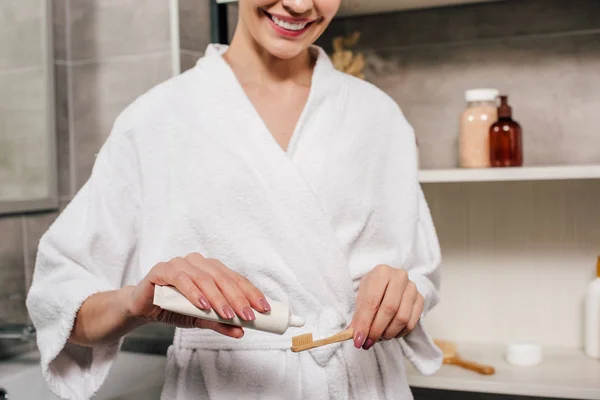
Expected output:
(388, 305)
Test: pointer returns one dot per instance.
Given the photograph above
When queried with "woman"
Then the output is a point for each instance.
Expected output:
(261, 173)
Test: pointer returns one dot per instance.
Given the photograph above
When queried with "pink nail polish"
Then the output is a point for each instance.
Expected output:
(204, 303)
(368, 344)
(359, 340)
(248, 314)
(265, 305)
(228, 311)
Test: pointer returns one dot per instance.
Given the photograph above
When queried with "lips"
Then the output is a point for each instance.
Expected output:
(291, 27)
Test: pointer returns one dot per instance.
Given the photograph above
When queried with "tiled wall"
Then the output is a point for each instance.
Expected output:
(545, 54)
(23, 104)
(107, 53)
(194, 30)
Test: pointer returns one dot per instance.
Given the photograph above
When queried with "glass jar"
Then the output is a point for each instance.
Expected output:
(475, 122)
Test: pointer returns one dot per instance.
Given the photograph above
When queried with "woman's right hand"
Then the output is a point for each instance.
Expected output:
(207, 283)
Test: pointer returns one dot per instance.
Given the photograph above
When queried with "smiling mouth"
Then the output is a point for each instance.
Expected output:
(288, 25)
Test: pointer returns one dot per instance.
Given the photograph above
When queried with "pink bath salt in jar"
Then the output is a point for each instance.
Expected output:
(475, 122)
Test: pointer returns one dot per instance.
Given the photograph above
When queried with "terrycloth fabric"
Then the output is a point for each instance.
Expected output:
(191, 167)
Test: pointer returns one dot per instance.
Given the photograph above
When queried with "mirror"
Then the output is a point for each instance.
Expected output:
(28, 170)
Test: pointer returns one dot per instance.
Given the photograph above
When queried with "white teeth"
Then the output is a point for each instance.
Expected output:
(290, 26)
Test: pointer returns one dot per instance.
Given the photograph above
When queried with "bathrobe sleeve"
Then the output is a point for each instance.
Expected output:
(425, 258)
(85, 251)
(400, 231)
(422, 263)
(423, 270)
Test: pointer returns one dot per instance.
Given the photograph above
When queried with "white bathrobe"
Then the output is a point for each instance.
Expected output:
(191, 167)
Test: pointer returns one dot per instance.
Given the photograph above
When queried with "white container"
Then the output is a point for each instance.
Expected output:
(592, 317)
(524, 354)
(475, 122)
(277, 321)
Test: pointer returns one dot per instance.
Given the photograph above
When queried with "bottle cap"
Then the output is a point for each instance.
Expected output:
(481, 95)
(296, 321)
(524, 353)
(504, 110)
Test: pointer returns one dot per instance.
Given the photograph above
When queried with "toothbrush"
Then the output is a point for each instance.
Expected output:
(305, 342)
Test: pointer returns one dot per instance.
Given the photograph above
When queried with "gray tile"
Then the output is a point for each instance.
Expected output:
(59, 11)
(62, 129)
(104, 28)
(552, 83)
(232, 19)
(21, 27)
(24, 137)
(101, 90)
(472, 22)
(12, 270)
(189, 59)
(194, 24)
(35, 227)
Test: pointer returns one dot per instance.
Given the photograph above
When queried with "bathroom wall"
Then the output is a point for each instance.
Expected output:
(23, 104)
(516, 256)
(107, 53)
(545, 54)
(194, 30)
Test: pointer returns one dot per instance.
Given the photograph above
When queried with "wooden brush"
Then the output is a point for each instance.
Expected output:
(305, 342)
(451, 357)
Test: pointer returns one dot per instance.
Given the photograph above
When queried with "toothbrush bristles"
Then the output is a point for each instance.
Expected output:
(302, 339)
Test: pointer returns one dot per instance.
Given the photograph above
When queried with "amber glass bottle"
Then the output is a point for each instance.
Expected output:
(506, 143)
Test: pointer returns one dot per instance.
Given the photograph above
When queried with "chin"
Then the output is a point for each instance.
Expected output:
(283, 49)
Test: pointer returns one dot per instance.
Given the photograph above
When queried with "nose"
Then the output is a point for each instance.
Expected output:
(298, 7)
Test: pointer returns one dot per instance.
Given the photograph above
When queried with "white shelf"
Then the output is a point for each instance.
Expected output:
(510, 174)
(563, 373)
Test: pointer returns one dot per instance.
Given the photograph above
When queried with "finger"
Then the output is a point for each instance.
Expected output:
(224, 298)
(415, 316)
(404, 312)
(389, 309)
(228, 330)
(231, 291)
(255, 297)
(176, 273)
(368, 300)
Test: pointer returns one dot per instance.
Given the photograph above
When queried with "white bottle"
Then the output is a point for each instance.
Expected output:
(277, 321)
(592, 317)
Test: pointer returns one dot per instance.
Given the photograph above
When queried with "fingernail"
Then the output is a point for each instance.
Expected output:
(248, 313)
(228, 311)
(359, 340)
(204, 303)
(264, 304)
(368, 344)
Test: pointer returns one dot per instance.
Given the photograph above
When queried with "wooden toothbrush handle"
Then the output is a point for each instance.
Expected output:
(338, 337)
(473, 366)
(347, 334)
